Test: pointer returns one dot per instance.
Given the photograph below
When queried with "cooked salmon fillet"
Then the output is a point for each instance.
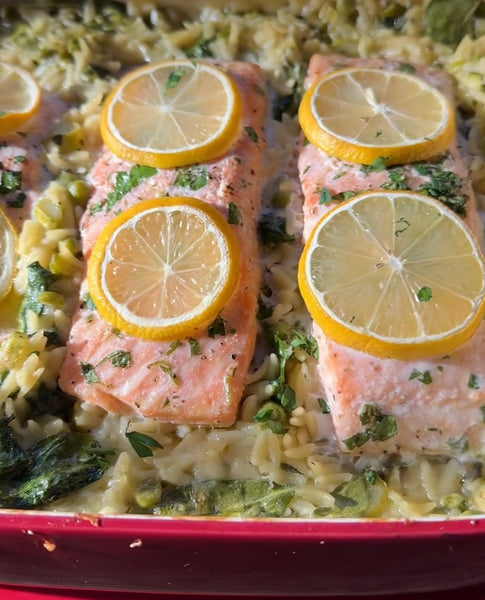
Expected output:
(437, 402)
(22, 175)
(183, 382)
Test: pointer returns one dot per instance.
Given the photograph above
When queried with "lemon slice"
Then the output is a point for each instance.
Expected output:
(19, 97)
(361, 114)
(172, 114)
(164, 268)
(394, 274)
(8, 243)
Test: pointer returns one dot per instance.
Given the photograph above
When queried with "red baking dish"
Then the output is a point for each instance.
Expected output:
(233, 557)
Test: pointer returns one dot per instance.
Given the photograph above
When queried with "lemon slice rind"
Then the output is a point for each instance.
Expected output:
(185, 323)
(221, 136)
(348, 331)
(317, 127)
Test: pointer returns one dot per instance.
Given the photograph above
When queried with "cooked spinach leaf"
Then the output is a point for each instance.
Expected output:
(237, 498)
(50, 469)
(449, 21)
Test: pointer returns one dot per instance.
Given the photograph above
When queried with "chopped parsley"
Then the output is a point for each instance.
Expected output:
(218, 327)
(325, 196)
(273, 416)
(444, 186)
(174, 78)
(379, 164)
(234, 216)
(119, 358)
(474, 382)
(124, 183)
(397, 180)
(39, 280)
(422, 376)
(192, 178)
(173, 346)
(10, 181)
(252, 135)
(194, 345)
(324, 407)
(142, 443)
(87, 302)
(275, 413)
(201, 49)
(378, 427)
(166, 368)
(424, 294)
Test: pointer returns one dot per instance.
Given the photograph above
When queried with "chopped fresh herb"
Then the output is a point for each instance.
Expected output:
(273, 416)
(20, 159)
(125, 182)
(173, 346)
(422, 376)
(89, 373)
(444, 186)
(195, 349)
(87, 302)
(283, 395)
(10, 181)
(192, 178)
(272, 229)
(142, 443)
(378, 427)
(482, 410)
(324, 407)
(166, 368)
(343, 196)
(252, 135)
(234, 498)
(325, 196)
(201, 49)
(96, 208)
(174, 78)
(118, 358)
(378, 165)
(39, 280)
(234, 216)
(397, 180)
(425, 294)
(18, 201)
(378, 133)
(474, 382)
(217, 327)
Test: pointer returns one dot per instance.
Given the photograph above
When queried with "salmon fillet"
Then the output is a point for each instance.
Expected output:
(437, 402)
(187, 382)
(22, 176)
